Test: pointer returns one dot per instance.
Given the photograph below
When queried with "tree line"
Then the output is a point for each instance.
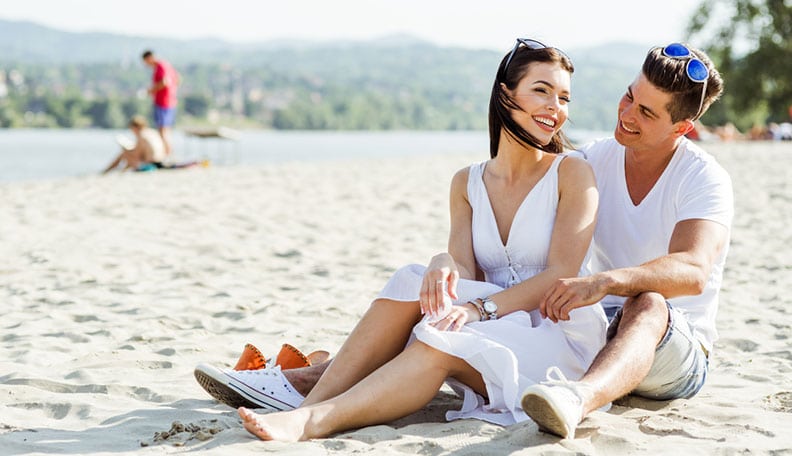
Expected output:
(320, 92)
(377, 86)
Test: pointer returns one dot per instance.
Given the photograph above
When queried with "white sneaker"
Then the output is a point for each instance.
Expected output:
(263, 388)
(555, 405)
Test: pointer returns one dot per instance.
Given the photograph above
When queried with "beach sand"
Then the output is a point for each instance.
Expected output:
(113, 288)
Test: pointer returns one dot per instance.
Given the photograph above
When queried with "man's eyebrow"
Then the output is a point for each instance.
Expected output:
(644, 108)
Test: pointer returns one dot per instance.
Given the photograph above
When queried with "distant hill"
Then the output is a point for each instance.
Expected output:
(388, 64)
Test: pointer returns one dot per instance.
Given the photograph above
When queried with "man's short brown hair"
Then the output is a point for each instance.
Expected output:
(668, 75)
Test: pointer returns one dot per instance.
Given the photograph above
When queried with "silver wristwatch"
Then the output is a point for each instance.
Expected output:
(490, 307)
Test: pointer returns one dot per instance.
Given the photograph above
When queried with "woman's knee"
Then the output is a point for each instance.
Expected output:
(407, 309)
(430, 356)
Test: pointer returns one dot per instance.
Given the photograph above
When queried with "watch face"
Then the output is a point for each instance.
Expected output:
(490, 306)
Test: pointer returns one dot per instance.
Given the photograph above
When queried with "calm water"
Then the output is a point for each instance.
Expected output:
(47, 154)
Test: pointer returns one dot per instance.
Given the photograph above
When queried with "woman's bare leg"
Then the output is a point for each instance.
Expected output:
(378, 337)
(398, 388)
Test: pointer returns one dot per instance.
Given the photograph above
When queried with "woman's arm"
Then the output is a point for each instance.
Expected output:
(447, 267)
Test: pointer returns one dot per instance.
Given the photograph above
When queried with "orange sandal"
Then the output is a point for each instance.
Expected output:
(288, 358)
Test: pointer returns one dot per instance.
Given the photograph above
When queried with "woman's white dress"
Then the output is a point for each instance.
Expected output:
(515, 350)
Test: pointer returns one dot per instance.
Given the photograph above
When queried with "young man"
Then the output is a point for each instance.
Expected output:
(148, 149)
(659, 248)
(164, 82)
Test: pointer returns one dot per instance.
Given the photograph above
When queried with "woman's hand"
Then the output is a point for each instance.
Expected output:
(457, 318)
(441, 274)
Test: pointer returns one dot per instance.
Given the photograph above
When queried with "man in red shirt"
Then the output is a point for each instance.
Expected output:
(164, 82)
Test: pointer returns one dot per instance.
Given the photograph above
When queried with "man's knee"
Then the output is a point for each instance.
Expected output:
(645, 305)
(648, 311)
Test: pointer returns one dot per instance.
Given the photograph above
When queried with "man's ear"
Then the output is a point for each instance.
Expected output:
(684, 127)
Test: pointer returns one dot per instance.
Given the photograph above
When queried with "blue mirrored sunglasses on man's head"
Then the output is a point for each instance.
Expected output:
(530, 44)
(696, 70)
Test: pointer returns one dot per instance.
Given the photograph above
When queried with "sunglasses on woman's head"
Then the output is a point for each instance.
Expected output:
(695, 69)
(530, 44)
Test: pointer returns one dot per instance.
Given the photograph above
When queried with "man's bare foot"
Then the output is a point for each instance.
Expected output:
(280, 426)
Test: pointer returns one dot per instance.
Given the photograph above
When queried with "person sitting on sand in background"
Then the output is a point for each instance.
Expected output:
(519, 222)
(660, 246)
(148, 150)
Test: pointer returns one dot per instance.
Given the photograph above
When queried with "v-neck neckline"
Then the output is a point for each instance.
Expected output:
(519, 208)
(652, 191)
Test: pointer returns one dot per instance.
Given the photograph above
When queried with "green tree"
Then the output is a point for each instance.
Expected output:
(750, 42)
(106, 113)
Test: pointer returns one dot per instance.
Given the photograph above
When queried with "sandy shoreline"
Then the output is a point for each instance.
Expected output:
(115, 287)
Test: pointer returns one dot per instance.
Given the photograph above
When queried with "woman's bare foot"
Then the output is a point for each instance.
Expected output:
(280, 426)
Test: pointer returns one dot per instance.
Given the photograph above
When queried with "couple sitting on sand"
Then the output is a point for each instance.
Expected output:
(524, 316)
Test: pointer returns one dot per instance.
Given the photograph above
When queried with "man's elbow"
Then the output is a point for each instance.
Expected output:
(698, 279)
(698, 286)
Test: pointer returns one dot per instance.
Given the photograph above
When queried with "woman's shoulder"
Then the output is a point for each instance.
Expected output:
(472, 169)
(573, 164)
(574, 170)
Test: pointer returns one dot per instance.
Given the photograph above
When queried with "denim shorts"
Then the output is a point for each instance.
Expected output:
(680, 363)
(164, 117)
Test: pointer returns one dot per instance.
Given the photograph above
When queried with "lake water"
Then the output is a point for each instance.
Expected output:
(48, 154)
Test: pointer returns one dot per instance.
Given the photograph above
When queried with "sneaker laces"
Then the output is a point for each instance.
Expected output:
(268, 371)
(554, 377)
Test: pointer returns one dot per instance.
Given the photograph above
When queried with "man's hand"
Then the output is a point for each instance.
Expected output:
(569, 294)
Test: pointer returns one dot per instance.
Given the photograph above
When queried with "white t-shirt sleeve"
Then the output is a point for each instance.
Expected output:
(707, 194)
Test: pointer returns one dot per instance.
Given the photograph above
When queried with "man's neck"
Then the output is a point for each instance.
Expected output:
(643, 168)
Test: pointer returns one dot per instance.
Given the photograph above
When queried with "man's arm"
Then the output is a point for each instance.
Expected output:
(694, 247)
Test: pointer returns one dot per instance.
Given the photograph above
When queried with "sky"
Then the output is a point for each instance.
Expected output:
(483, 24)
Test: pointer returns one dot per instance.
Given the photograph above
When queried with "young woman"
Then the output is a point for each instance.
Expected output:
(519, 221)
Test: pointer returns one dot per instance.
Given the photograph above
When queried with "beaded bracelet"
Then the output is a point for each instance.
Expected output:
(480, 308)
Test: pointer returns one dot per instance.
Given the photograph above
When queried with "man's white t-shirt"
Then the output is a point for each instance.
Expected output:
(693, 186)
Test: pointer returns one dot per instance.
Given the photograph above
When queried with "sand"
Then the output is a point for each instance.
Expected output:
(113, 288)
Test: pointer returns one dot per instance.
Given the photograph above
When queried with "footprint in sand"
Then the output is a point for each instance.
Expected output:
(779, 402)
(179, 433)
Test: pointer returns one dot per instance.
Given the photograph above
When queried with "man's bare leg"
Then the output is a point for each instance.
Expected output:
(165, 134)
(559, 406)
(626, 359)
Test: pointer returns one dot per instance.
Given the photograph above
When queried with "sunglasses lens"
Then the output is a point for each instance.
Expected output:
(676, 50)
(697, 71)
(531, 44)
